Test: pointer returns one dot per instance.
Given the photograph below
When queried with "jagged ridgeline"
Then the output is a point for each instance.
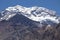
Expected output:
(29, 23)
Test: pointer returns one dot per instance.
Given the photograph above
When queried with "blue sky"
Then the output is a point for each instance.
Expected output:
(50, 4)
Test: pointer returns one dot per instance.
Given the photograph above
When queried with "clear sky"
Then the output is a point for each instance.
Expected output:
(50, 4)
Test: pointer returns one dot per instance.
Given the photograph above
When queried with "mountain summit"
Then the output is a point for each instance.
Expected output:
(38, 14)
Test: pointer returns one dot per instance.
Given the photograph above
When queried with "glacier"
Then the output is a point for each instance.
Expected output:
(35, 13)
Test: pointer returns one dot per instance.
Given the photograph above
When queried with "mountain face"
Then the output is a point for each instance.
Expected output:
(33, 23)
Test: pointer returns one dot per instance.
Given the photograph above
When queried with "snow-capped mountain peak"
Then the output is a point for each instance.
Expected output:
(35, 13)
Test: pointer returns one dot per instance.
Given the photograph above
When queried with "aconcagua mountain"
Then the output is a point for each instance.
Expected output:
(29, 23)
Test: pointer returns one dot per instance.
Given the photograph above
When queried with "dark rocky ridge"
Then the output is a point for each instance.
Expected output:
(21, 28)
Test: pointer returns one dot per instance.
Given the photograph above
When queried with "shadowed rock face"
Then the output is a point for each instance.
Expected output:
(21, 28)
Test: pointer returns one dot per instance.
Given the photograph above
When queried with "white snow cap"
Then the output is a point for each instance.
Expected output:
(34, 13)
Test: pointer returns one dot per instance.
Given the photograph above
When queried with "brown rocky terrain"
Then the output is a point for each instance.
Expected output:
(19, 31)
